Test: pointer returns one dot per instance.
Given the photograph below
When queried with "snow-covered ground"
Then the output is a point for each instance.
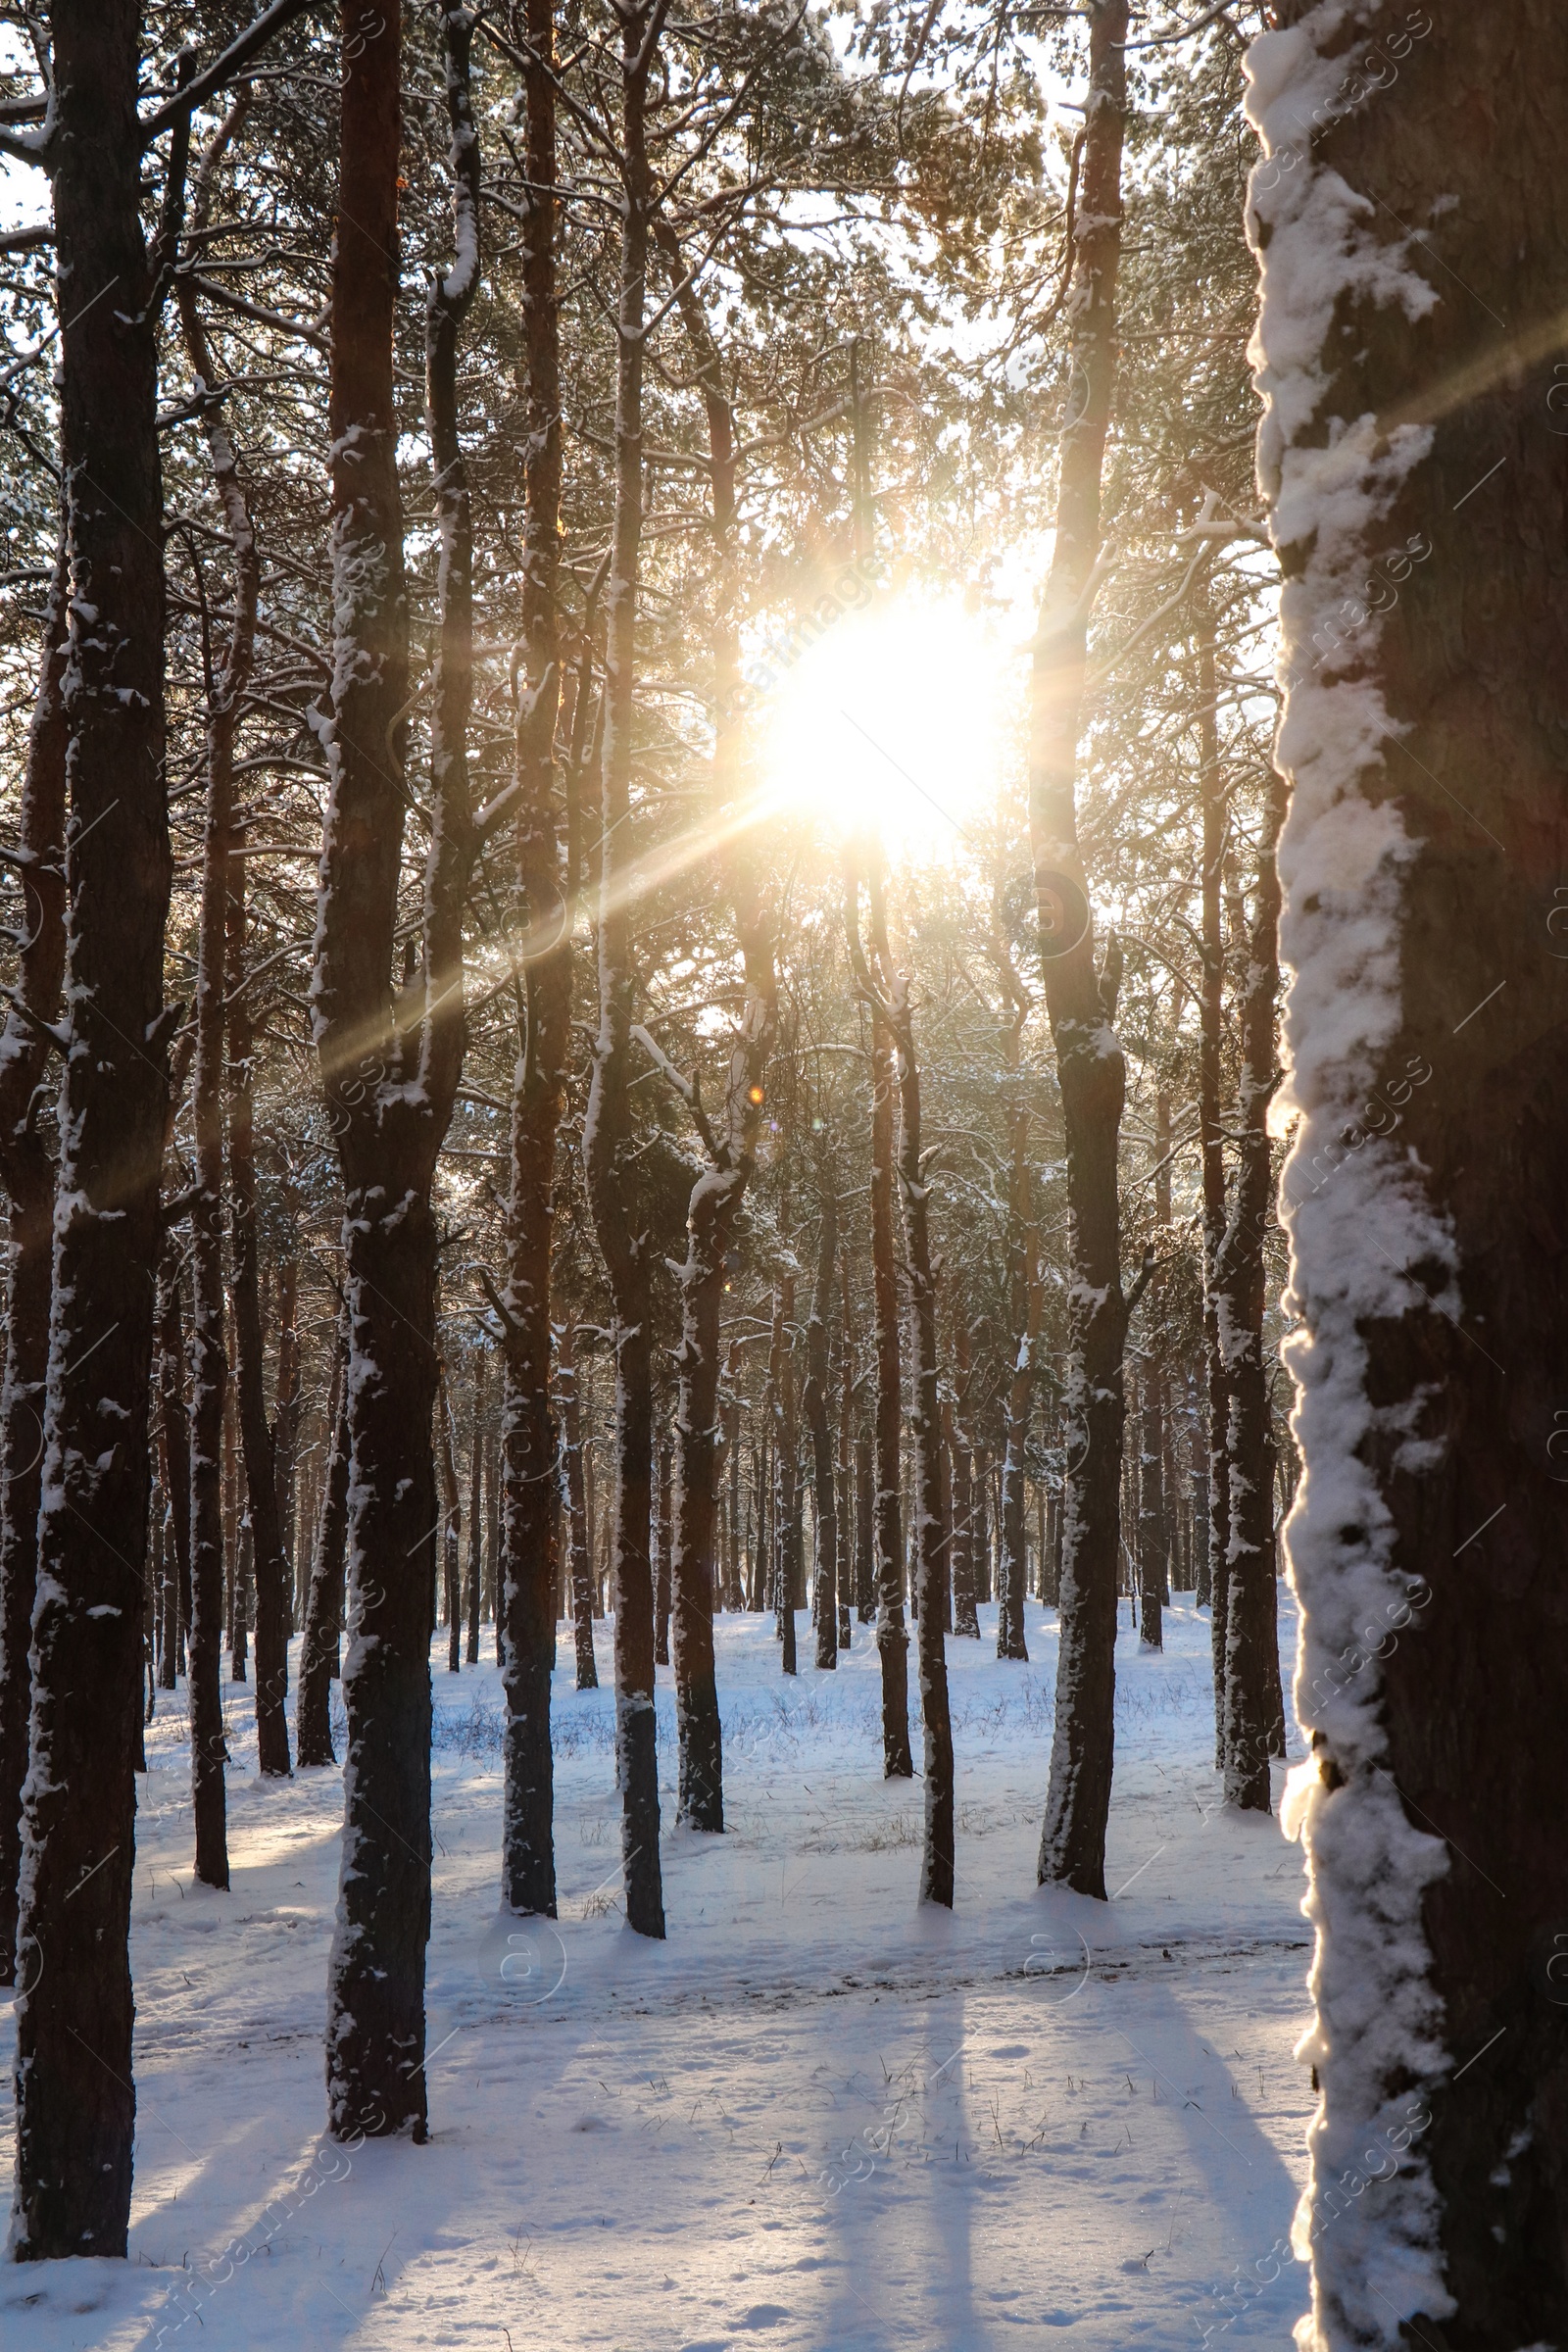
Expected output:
(815, 2118)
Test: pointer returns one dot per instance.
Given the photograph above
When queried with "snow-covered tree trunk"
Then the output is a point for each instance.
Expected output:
(1213, 1582)
(717, 1195)
(891, 1635)
(1025, 1309)
(1412, 289)
(814, 1401)
(930, 1501)
(965, 1490)
(608, 1142)
(782, 1491)
(580, 1558)
(1081, 1002)
(390, 1058)
(27, 1167)
(74, 2105)
(208, 1382)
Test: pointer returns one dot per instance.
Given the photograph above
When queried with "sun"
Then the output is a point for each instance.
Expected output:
(898, 719)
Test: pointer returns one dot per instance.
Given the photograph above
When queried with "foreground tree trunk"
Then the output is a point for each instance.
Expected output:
(26, 1168)
(390, 1060)
(619, 1224)
(1422, 739)
(1082, 1006)
(74, 2105)
(892, 1638)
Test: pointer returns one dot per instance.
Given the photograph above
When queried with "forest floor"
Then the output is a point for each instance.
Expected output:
(815, 2118)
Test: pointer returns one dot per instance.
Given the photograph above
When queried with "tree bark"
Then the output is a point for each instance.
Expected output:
(390, 1060)
(26, 1169)
(74, 2105)
(1215, 1585)
(269, 1567)
(174, 1436)
(1422, 739)
(892, 1638)
(731, 1144)
(781, 1422)
(608, 1143)
(1081, 1003)
(816, 1401)
(237, 1583)
(579, 1557)
(1025, 1305)
(530, 1444)
(323, 1608)
(1250, 1633)
(451, 1525)
(208, 1385)
(931, 1515)
(474, 1587)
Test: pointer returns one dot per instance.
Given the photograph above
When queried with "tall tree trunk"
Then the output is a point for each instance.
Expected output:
(269, 1567)
(451, 1525)
(733, 1595)
(526, 1606)
(965, 1620)
(1026, 1304)
(1214, 1583)
(842, 1364)
(892, 1636)
(1251, 1643)
(390, 1060)
(474, 1588)
(930, 1512)
(208, 1385)
(781, 1492)
(287, 1405)
(174, 1435)
(579, 1556)
(1152, 1537)
(238, 1582)
(26, 1169)
(323, 1608)
(74, 2105)
(661, 1551)
(608, 1143)
(1422, 935)
(731, 1143)
(816, 1401)
(1082, 1005)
